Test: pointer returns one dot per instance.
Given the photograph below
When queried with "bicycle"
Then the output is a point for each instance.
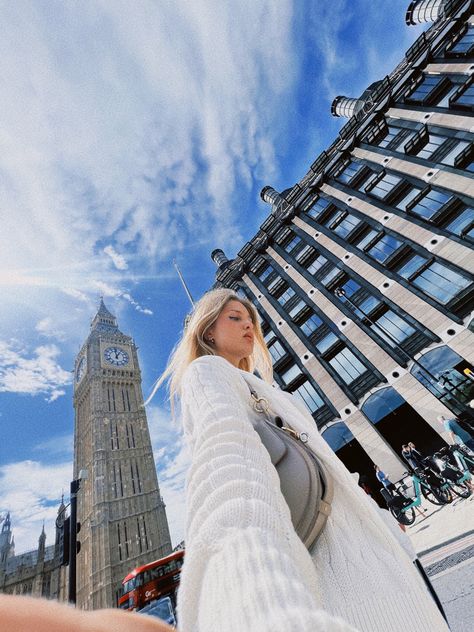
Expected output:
(426, 484)
(454, 476)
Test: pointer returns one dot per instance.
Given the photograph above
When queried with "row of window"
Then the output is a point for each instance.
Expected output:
(291, 375)
(382, 320)
(443, 91)
(119, 398)
(118, 486)
(435, 146)
(434, 279)
(431, 206)
(335, 355)
(128, 437)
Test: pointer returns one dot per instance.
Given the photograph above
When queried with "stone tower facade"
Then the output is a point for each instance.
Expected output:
(120, 509)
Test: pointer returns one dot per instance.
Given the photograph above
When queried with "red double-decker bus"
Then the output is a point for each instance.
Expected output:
(152, 581)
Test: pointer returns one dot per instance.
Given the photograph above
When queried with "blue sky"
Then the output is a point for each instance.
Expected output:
(132, 133)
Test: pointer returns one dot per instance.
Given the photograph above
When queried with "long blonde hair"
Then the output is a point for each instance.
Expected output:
(194, 343)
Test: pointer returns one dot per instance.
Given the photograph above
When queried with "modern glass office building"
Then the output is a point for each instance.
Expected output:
(362, 272)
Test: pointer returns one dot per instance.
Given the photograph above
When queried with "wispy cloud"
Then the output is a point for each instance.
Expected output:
(127, 130)
(31, 491)
(119, 260)
(32, 373)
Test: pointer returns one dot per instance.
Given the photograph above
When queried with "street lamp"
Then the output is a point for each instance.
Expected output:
(75, 485)
(434, 381)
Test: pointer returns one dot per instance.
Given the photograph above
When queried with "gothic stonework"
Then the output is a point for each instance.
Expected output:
(38, 572)
(122, 515)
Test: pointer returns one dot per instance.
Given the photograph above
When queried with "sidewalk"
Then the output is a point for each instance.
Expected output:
(442, 524)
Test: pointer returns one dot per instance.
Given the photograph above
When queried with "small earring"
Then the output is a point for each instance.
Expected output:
(211, 340)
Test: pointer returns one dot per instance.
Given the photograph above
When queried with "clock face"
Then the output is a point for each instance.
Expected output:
(81, 367)
(116, 356)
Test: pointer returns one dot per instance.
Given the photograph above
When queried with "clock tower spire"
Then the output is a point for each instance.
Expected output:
(122, 515)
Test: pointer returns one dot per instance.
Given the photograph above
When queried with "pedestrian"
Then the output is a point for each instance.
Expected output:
(456, 433)
(386, 482)
(245, 568)
(412, 456)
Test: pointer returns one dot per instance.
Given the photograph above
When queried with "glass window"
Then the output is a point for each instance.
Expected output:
(347, 225)
(277, 351)
(329, 276)
(433, 144)
(369, 305)
(410, 267)
(265, 273)
(317, 264)
(303, 253)
(327, 342)
(333, 216)
(466, 98)
(392, 132)
(349, 172)
(268, 336)
(292, 244)
(407, 198)
(271, 286)
(451, 156)
(350, 287)
(425, 90)
(440, 282)
(310, 325)
(392, 328)
(385, 186)
(291, 374)
(367, 238)
(320, 206)
(347, 366)
(337, 436)
(382, 403)
(443, 101)
(296, 309)
(309, 396)
(430, 204)
(463, 225)
(465, 44)
(285, 297)
(384, 248)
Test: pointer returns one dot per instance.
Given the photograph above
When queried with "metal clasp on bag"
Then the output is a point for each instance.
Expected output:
(260, 404)
(301, 436)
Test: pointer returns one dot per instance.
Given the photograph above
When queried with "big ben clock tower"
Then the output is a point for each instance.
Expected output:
(122, 515)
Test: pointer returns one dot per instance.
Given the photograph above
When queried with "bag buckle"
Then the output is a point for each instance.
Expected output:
(260, 404)
(301, 436)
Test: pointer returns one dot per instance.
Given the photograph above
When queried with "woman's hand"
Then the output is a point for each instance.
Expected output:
(27, 614)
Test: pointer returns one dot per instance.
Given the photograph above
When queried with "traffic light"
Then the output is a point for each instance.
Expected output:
(64, 539)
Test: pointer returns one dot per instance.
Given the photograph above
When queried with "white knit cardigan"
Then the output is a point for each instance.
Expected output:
(245, 568)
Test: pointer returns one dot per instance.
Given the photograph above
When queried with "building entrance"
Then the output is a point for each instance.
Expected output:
(354, 457)
(398, 423)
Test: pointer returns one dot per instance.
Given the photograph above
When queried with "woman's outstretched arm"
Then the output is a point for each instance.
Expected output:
(26, 614)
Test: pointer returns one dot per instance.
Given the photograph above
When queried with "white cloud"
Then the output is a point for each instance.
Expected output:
(31, 491)
(36, 373)
(118, 260)
(127, 129)
(47, 328)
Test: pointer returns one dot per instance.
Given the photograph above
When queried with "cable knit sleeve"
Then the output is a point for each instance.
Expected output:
(241, 573)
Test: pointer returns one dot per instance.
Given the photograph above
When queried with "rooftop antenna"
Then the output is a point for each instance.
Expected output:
(183, 282)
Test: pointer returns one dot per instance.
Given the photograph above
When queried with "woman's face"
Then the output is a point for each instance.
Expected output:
(233, 333)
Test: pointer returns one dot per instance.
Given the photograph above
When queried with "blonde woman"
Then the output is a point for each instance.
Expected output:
(245, 568)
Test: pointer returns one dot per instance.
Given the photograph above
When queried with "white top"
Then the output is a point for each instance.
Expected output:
(245, 568)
